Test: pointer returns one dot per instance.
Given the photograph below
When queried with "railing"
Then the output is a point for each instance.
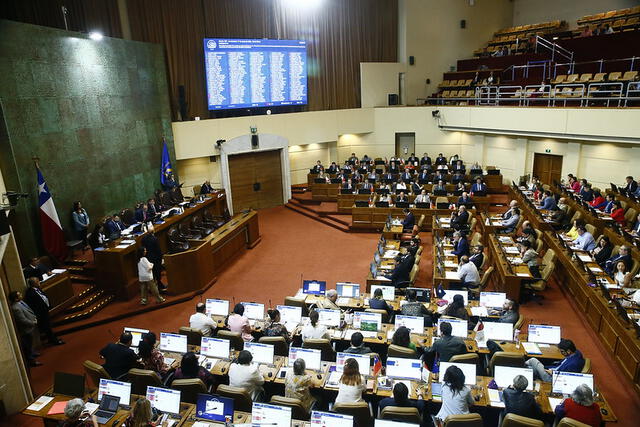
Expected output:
(633, 92)
(555, 48)
(513, 69)
(571, 66)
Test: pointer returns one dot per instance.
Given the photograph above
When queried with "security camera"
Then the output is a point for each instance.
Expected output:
(435, 114)
(13, 197)
(220, 142)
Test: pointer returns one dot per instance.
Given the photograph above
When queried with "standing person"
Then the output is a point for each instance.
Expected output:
(145, 277)
(154, 255)
(351, 385)
(39, 304)
(81, 222)
(456, 397)
(26, 322)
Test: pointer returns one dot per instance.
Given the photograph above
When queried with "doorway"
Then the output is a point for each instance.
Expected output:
(405, 144)
(547, 167)
(256, 180)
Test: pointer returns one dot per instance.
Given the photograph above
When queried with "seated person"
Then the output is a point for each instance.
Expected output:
(238, 322)
(314, 330)
(456, 396)
(297, 384)
(378, 303)
(549, 201)
(468, 273)
(416, 188)
(602, 251)
(352, 384)
(275, 328)
(446, 346)
(401, 399)
(141, 414)
(477, 256)
(456, 308)
(384, 198)
(189, 368)
(608, 203)
(357, 345)
(200, 321)
(635, 231)
(460, 245)
(509, 225)
(572, 362)
(457, 178)
(440, 176)
(520, 402)
(150, 356)
(400, 185)
(141, 213)
(318, 167)
(36, 269)
(622, 255)
(461, 220)
(584, 241)
(402, 337)
(423, 197)
(598, 201)
(402, 197)
(573, 232)
(74, 412)
(329, 300)
(617, 213)
(509, 313)
(439, 187)
(333, 168)
(458, 166)
(246, 375)
(622, 275)
(530, 258)
(441, 159)
(424, 176)
(580, 407)
(465, 199)
(206, 188)
(119, 357)
(415, 308)
(479, 186)
(400, 275)
(406, 175)
(587, 193)
(348, 185)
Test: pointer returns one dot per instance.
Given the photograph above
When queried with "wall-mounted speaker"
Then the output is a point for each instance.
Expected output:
(255, 141)
(393, 99)
(412, 60)
(463, 23)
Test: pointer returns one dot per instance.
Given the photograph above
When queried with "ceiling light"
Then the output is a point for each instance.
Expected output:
(95, 35)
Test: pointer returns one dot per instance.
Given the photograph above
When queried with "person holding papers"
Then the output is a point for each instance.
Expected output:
(378, 303)
(314, 330)
(572, 362)
(456, 397)
(584, 241)
(520, 402)
(447, 345)
(357, 345)
(456, 308)
(145, 277)
(297, 384)
(468, 273)
(119, 357)
(351, 385)
(402, 337)
(580, 407)
(199, 320)
(189, 368)
(39, 303)
(246, 375)
(36, 269)
(238, 322)
(275, 328)
(73, 410)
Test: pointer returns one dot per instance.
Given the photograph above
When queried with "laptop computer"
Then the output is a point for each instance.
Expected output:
(107, 409)
(214, 408)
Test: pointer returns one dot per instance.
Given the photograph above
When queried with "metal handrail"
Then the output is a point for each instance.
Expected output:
(572, 65)
(632, 93)
(610, 89)
(553, 47)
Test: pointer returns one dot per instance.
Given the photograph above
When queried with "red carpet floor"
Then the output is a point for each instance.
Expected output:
(294, 247)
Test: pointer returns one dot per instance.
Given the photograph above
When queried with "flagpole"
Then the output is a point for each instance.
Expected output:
(36, 161)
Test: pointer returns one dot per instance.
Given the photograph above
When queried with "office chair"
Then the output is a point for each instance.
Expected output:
(298, 412)
(469, 358)
(505, 358)
(513, 420)
(399, 351)
(95, 372)
(466, 420)
(140, 379)
(241, 399)
(322, 344)
(570, 422)
(360, 412)
(408, 415)
(280, 346)
(189, 389)
(237, 343)
(194, 336)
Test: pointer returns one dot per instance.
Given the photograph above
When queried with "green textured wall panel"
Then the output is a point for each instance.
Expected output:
(94, 112)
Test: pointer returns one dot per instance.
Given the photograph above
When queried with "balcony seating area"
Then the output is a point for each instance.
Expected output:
(516, 39)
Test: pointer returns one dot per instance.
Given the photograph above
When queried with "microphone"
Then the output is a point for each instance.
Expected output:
(270, 306)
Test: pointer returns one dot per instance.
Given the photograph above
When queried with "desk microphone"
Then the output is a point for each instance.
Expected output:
(270, 306)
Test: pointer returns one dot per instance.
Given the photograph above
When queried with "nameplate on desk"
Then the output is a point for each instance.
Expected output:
(122, 246)
(523, 275)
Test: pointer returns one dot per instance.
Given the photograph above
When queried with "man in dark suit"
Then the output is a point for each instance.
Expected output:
(412, 158)
(441, 159)
(154, 255)
(465, 200)
(114, 226)
(393, 167)
(477, 256)
(424, 176)
(141, 213)
(206, 188)
(479, 186)
(632, 185)
(460, 245)
(409, 219)
(26, 322)
(152, 209)
(447, 345)
(402, 270)
(39, 304)
(460, 221)
(416, 188)
(440, 176)
(402, 197)
(388, 176)
(333, 168)
(35, 269)
(119, 357)
(622, 255)
(425, 160)
(348, 185)
(406, 175)
(457, 177)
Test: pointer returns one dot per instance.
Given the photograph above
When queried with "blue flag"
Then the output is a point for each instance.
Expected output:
(165, 169)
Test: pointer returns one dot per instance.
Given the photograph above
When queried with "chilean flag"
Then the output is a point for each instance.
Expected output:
(52, 235)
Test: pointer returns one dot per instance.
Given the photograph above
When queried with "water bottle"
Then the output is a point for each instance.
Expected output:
(516, 337)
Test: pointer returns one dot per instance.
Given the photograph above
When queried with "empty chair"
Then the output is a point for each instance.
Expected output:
(140, 379)
(570, 422)
(95, 372)
(189, 389)
(586, 369)
(559, 79)
(322, 344)
(198, 224)
(598, 78)
(401, 414)
(505, 358)
(476, 239)
(194, 336)
(519, 322)
(513, 420)
(584, 78)
(615, 76)
(399, 351)
(241, 397)
(470, 358)
(298, 412)
(280, 346)
(237, 343)
(297, 302)
(484, 281)
(358, 410)
(466, 420)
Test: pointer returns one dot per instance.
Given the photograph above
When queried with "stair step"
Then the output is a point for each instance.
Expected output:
(90, 311)
(86, 301)
(76, 262)
(311, 214)
(82, 279)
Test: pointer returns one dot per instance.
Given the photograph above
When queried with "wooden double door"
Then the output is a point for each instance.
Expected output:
(256, 180)
(547, 167)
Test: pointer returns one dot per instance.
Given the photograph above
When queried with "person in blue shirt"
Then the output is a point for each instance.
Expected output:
(510, 224)
(378, 303)
(573, 362)
(586, 193)
(609, 203)
(584, 241)
(460, 245)
(549, 202)
(479, 186)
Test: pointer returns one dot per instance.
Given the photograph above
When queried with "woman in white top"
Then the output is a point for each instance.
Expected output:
(622, 276)
(145, 277)
(314, 330)
(456, 397)
(245, 374)
(351, 383)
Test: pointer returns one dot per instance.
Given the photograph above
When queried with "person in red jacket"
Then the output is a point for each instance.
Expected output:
(597, 200)
(617, 213)
(580, 407)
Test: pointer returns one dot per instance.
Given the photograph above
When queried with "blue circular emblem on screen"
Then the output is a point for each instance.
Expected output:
(211, 44)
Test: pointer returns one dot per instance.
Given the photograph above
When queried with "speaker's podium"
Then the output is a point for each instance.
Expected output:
(191, 270)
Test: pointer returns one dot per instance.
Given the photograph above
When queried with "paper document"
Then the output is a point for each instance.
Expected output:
(554, 401)
(58, 270)
(169, 361)
(595, 269)
(444, 220)
(452, 275)
(450, 264)
(511, 250)
(40, 403)
(201, 424)
(91, 407)
(523, 275)
(531, 348)
(494, 397)
(383, 278)
(479, 311)
(334, 378)
(585, 258)
(127, 242)
(445, 226)
(122, 246)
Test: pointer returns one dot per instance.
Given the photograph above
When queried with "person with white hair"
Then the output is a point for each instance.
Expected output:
(520, 402)
(75, 415)
(329, 300)
(580, 407)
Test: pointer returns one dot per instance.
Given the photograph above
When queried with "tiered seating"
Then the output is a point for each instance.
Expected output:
(515, 38)
(619, 20)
